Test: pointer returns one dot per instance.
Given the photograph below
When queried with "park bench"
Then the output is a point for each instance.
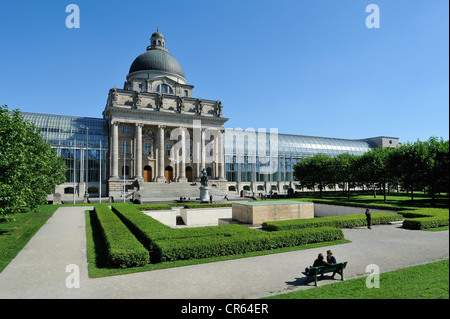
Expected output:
(314, 272)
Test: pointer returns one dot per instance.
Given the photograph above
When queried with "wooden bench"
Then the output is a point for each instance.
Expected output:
(314, 272)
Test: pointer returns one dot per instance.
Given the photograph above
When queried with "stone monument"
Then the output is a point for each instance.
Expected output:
(204, 189)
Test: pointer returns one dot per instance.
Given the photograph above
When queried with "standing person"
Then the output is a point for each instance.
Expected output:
(210, 198)
(368, 218)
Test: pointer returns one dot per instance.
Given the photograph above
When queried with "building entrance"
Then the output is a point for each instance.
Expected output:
(168, 174)
(147, 174)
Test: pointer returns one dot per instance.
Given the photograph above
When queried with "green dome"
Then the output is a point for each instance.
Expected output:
(158, 60)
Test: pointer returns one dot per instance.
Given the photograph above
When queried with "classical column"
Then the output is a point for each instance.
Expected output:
(221, 156)
(115, 150)
(203, 150)
(138, 155)
(161, 178)
(182, 166)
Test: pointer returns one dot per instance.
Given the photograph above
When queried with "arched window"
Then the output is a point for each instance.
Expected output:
(164, 88)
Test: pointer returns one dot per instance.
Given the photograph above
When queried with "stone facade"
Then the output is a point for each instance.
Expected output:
(160, 133)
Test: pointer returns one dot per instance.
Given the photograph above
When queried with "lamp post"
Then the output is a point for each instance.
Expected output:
(124, 170)
(100, 175)
(86, 193)
(74, 168)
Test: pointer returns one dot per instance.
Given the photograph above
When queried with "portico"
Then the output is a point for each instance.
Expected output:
(159, 132)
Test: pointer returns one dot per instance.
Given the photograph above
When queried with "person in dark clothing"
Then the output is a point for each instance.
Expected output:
(368, 218)
(317, 263)
(330, 258)
(320, 261)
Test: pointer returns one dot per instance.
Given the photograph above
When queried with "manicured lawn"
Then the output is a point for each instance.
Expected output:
(429, 281)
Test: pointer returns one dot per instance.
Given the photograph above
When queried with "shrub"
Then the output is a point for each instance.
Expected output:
(123, 250)
(143, 207)
(425, 218)
(149, 230)
(166, 244)
(347, 221)
(212, 246)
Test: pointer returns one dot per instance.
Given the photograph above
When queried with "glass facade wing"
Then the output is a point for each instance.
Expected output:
(62, 130)
(77, 140)
(290, 148)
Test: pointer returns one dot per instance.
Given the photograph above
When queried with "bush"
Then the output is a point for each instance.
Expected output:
(143, 207)
(149, 230)
(166, 244)
(425, 218)
(209, 246)
(123, 250)
(347, 221)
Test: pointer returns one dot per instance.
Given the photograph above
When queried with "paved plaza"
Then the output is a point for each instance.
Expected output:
(39, 270)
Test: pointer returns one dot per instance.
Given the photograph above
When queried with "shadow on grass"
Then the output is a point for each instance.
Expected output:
(99, 246)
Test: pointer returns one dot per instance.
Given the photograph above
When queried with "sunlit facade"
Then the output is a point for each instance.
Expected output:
(155, 131)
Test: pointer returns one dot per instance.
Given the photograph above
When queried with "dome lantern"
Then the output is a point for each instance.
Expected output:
(157, 41)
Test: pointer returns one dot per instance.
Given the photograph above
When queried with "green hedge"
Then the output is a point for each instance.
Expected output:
(143, 207)
(425, 218)
(347, 221)
(123, 250)
(188, 205)
(166, 244)
(149, 230)
(204, 247)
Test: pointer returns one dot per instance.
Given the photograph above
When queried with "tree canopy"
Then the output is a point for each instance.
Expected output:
(422, 165)
(29, 168)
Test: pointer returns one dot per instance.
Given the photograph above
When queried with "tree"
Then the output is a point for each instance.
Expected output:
(376, 168)
(435, 173)
(344, 170)
(314, 171)
(29, 168)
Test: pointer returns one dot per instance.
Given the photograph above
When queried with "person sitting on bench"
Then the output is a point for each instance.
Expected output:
(331, 260)
(318, 262)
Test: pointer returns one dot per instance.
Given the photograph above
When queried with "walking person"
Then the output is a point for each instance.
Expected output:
(368, 218)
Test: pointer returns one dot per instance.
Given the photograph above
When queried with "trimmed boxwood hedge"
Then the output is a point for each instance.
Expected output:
(166, 244)
(212, 246)
(347, 221)
(425, 218)
(187, 205)
(148, 230)
(123, 250)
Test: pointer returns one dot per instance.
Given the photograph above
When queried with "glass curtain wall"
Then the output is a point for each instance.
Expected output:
(78, 140)
(249, 156)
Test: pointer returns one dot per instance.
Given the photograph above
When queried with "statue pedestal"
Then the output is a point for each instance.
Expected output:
(204, 193)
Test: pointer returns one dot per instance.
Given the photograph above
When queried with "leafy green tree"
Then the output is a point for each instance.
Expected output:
(314, 171)
(376, 168)
(343, 170)
(29, 168)
(435, 173)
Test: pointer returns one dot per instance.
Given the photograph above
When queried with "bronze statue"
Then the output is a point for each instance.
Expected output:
(204, 178)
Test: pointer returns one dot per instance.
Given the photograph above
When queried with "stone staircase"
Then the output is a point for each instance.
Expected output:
(154, 191)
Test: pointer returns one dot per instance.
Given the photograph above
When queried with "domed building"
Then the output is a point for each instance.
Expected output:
(156, 137)
(153, 117)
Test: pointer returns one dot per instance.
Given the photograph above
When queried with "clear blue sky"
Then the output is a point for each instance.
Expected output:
(305, 67)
